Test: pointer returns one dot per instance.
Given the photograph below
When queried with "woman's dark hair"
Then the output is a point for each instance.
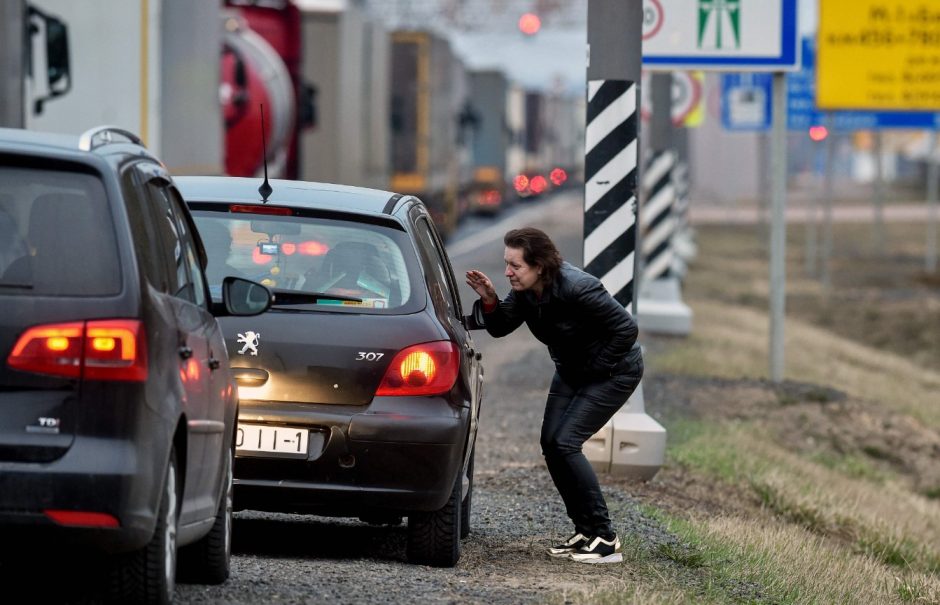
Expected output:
(537, 250)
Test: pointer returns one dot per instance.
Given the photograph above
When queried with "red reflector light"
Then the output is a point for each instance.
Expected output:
(80, 518)
(112, 349)
(429, 368)
(520, 182)
(558, 176)
(275, 210)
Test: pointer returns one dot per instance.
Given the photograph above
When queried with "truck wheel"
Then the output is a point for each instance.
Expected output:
(149, 574)
(434, 538)
(468, 500)
(208, 560)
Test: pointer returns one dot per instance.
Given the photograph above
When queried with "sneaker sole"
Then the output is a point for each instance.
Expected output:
(564, 554)
(614, 558)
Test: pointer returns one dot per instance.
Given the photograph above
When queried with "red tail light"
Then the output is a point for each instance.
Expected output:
(491, 197)
(538, 184)
(429, 368)
(112, 349)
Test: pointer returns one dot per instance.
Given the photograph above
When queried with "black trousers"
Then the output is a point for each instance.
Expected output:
(572, 415)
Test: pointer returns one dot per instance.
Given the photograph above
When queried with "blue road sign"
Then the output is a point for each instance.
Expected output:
(802, 113)
(746, 101)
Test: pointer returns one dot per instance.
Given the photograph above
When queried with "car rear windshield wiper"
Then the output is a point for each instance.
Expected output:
(296, 297)
(12, 285)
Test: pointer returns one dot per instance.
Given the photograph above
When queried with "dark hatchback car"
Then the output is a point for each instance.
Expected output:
(363, 403)
(117, 404)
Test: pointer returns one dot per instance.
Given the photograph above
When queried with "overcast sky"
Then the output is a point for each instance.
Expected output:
(555, 58)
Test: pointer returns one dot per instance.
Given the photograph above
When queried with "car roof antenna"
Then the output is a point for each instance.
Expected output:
(265, 189)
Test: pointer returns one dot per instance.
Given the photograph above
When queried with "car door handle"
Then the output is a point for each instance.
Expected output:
(185, 352)
(214, 363)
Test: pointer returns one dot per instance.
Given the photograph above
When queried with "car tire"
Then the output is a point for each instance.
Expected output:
(468, 500)
(434, 537)
(208, 561)
(148, 575)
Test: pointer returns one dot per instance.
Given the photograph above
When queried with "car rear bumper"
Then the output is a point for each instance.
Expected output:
(95, 476)
(370, 460)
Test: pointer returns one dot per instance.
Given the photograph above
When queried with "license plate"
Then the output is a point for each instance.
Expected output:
(265, 440)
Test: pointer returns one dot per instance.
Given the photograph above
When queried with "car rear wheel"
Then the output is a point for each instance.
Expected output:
(208, 560)
(149, 574)
(467, 500)
(434, 538)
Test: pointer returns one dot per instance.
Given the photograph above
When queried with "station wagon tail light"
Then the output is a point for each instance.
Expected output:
(429, 368)
(111, 349)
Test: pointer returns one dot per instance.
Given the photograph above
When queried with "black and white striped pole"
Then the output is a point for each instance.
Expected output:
(660, 299)
(632, 443)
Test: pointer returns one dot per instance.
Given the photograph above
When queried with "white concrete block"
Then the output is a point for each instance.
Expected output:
(597, 449)
(660, 309)
(638, 447)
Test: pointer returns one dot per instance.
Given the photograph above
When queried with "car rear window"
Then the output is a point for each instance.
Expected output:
(56, 234)
(374, 263)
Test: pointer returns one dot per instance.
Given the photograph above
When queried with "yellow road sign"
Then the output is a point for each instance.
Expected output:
(878, 54)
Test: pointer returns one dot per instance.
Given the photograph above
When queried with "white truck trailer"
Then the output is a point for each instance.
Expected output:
(148, 66)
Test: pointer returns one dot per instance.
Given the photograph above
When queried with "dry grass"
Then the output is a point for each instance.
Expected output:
(827, 534)
(885, 521)
(732, 342)
(798, 567)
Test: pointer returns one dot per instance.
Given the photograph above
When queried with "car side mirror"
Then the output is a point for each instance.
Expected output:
(242, 297)
(475, 321)
(58, 71)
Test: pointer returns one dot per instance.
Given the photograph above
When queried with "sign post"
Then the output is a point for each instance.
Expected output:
(632, 443)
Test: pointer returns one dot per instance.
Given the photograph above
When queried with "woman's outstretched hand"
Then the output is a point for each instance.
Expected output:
(482, 285)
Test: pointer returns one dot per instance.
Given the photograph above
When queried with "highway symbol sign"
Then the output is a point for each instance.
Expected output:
(726, 35)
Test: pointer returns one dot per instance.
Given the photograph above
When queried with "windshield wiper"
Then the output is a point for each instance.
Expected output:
(13, 285)
(296, 297)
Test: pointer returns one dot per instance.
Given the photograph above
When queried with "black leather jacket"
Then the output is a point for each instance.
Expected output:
(590, 336)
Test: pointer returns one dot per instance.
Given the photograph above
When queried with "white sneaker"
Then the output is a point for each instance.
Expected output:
(598, 550)
(567, 547)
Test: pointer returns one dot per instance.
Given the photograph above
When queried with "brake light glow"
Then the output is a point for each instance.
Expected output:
(273, 210)
(79, 518)
(538, 184)
(520, 183)
(558, 176)
(428, 368)
(491, 197)
(113, 349)
(260, 259)
(313, 248)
